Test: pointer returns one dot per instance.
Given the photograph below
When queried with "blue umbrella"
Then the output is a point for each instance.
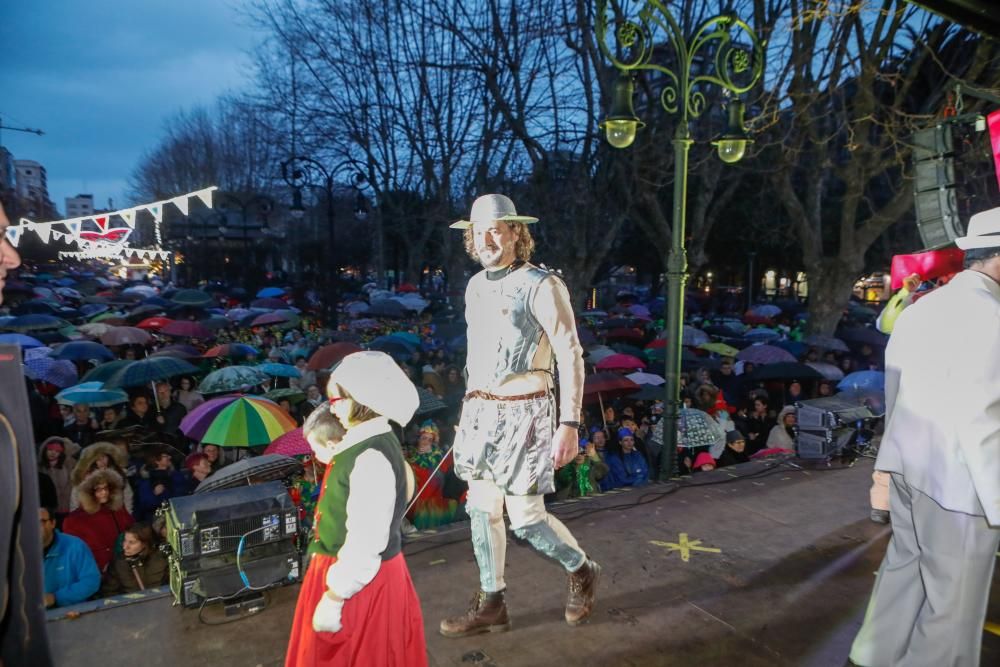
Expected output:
(91, 309)
(795, 347)
(393, 346)
(82, 350)
(270, 293)
(280, 370)
(149, 370)
(92, 394)
(35, 322)
(761, 334)
(863, 381)
(59, 372)
(27, 342)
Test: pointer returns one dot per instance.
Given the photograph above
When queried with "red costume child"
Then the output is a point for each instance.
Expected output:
(357, 605)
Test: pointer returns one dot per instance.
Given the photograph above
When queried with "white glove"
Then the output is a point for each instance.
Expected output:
(326, 618)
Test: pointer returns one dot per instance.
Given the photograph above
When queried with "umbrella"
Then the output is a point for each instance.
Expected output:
(146, 371)
(237, 421)
(694, 337)
(293, 396)
(268, 318)
(649, 392)
(292, 443)
(82, 350)
(620, 362)
(110, 319)
(863, 381)
(237, 314)
(187, 352)
(599, 352)
(639, 311)
(765, 354)
(387, 308)
(594, 314)
(657, 343)
(125, 336)
(58, 372)
(697, 428)
(106, 370)
(154, 323)
(719, 348)
(356, 308)
(646, 378)
(143, 291)
(622, 333)
(761, 335)
(231, 351)
(864, 336)
(328, 355)
(786, 370)
(599, 386)
(268, 304)
(861, 312)
(92, 394)
(428, 402)
(186, 329)
(408, 337)
(37, 306)
(280, 370)
(396, 347)
(35, 322)
(255, 470)
(232, 378)
(364, 324)
(793, 347)
(192, 297)
(21, 340)
(765, 310)
(625, 348)
(828, 371)
(586, 337)
(827, 343)
(269, 292)
(215, 322)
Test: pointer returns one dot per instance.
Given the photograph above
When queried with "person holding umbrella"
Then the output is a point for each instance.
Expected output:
(509, 441)
(357, 604)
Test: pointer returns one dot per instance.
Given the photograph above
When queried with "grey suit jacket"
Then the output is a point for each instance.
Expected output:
(942, 391)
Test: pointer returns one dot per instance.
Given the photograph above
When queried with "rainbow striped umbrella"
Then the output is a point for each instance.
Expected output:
(237, 421)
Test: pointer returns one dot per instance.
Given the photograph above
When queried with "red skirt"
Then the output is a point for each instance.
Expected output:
(381, 626)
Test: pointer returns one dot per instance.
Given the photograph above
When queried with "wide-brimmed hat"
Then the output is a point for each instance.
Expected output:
(984, 231)
(488, 208)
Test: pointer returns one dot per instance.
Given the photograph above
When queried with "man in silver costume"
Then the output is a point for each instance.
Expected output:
(508, 445)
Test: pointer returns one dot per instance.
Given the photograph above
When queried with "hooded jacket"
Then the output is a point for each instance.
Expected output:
(62, 476)
(779, 437)
(86, 465)
(99, 525)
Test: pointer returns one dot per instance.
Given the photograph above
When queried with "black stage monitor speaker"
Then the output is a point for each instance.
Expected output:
(826, 425)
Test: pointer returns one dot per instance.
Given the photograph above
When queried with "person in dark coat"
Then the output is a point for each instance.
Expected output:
(159, 481)
(139, 566)
(735, 451)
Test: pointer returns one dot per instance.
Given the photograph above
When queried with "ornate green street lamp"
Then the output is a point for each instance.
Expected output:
(723, 51)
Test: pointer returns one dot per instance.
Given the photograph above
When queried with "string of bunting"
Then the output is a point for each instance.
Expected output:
(71, 230)
(109, 253)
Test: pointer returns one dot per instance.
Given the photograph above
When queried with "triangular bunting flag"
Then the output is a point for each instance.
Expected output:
(128, 215)
(43, 231)
(157, 211)
(14, 235)
(181, 203)
(206, 196)
(74, 227)
(102, 222)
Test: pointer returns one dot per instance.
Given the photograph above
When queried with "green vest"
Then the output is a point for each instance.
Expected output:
(330, 519)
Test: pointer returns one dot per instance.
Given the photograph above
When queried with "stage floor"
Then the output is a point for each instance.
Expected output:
(778, 569)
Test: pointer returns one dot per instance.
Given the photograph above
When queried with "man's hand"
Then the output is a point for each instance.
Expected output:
(50, 600)
(591, 452)
(912, 282)
(159, 489)
(565, 445)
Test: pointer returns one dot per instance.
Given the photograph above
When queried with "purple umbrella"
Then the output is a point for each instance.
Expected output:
(765, 354)
(125, 336)
(58, 372)
(268, 318)
(186, 329)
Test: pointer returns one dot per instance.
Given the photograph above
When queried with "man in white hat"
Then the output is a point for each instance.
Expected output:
(509, 441)
(942, 448)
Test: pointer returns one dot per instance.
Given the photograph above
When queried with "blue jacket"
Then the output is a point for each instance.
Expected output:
(628, 469)
(70, 571)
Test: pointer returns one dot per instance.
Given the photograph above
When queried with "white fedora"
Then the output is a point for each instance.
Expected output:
(984, 231)
(493, 207)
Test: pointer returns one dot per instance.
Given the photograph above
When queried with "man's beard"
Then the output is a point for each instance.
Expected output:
(492, 259)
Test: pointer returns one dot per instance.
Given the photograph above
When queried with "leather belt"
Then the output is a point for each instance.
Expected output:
(485, 395)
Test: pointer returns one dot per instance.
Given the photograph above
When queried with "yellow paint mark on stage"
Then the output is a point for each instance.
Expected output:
(992, 627)
(685, 546)
(439, 561)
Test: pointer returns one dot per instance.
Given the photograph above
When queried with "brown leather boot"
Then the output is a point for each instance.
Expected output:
(487, 613)
(582, 592)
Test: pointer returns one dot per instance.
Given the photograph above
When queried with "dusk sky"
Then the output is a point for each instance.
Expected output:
(101, 76)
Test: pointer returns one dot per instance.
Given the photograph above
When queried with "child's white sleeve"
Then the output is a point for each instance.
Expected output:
(370, 506)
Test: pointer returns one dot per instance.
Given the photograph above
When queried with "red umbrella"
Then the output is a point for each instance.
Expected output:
(292, 443)
(268, 318)
(620, 362)
(622, 332)
(657, 343)
(407, 287)
(328, 355)
(154, 323)
(599, 386)
(186, 329)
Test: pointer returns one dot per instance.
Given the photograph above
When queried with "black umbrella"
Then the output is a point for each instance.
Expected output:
(386, 308)
(786, 370)
(254, 470)
(428, 402)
